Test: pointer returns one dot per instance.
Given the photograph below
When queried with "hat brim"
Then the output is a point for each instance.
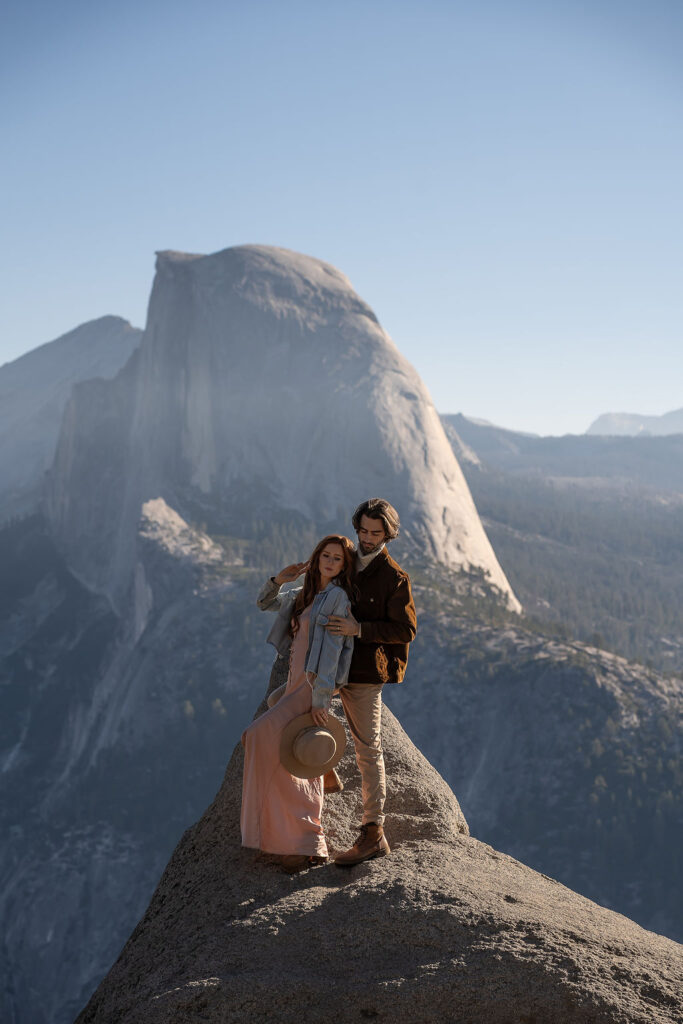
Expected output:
(292, 730)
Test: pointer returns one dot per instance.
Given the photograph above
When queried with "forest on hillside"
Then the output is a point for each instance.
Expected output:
(589, 563)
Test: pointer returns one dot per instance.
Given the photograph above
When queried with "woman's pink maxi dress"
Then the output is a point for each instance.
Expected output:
(280, 813)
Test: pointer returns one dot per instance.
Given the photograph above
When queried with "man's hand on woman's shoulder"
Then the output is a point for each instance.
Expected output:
(347, 626)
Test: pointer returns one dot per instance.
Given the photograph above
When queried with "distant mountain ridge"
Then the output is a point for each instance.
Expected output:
(627, 423)
(589, 531)
(608, 462)
(34, 390)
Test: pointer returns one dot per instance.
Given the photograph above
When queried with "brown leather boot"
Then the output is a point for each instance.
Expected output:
(370, 843)
(331, 782)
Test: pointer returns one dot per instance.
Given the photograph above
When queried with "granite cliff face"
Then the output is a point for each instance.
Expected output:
(34, 390)
(444, 929)
(264, 387)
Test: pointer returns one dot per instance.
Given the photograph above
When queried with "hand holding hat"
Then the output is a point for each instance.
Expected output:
(308, 750)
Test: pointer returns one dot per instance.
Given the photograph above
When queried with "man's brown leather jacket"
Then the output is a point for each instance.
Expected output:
(384, 607)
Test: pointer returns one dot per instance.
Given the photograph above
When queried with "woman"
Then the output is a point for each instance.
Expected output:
(281, 813)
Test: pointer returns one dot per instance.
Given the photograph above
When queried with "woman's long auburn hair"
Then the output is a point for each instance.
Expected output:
(344, 579)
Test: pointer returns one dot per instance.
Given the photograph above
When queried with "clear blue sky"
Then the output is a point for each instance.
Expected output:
(501, 181)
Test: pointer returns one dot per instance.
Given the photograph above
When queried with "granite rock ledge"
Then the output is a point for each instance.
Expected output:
(446, 929)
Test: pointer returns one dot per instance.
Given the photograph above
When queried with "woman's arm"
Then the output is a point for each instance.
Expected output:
(328, 647)
(269, 598)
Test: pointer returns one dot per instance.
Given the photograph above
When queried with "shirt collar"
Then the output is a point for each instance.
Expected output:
(363, 561)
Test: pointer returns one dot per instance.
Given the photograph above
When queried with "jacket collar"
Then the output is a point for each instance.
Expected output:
(371, 569)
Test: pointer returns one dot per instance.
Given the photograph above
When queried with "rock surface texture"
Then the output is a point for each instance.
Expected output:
(34, 390)
(263, 383)
(446, 929)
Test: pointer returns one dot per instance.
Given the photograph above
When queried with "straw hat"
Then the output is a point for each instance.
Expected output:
(308, 750)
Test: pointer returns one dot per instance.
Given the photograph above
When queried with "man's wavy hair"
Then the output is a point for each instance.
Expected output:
(378, 508)
(312, 579)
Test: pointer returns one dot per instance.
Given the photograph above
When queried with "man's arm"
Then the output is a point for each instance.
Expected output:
(400, 625)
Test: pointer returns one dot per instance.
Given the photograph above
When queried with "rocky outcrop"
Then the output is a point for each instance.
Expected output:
(34, 390)
(265, 390)
(446, 929)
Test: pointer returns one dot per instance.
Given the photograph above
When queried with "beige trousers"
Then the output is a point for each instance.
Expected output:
(362, 704)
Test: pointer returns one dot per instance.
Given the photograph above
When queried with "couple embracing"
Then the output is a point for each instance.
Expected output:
(346, 630)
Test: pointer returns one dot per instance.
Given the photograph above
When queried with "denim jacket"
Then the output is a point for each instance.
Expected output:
(328, 657)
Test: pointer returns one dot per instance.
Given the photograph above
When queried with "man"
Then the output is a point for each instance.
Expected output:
(383, 622)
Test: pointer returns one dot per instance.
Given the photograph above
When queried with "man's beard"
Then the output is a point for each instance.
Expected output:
(367, 549)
